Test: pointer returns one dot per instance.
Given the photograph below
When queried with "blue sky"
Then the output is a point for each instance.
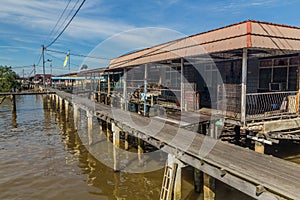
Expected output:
(26, 24)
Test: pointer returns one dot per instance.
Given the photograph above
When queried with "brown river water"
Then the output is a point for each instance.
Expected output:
(42, 157)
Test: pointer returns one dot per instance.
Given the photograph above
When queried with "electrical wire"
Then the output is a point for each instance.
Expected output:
(70, 12)
(60, 17)
(78, 55)
(61, 59)
(66, 25)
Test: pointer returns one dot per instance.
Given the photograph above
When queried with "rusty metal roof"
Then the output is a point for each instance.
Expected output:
(247, 34)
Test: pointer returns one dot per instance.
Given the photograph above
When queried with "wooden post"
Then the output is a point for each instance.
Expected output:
(145, 88)
(198, 181)
(182, 85)
(125, 90)
(13, 103)
(90, 127)
(243, 89)
(209, 187)
(140, 149)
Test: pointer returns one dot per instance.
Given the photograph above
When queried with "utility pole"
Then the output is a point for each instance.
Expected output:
(69, 61)
(43, 55)
(51, 68)
(34, 71)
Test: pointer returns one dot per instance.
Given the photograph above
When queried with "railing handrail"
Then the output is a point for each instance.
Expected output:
(263, 93)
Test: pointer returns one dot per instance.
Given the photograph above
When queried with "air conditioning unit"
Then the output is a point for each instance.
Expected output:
(275, 86)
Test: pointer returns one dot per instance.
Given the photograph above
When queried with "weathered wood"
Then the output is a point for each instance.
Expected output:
(259, 147)
(245, 169)
(209, 187)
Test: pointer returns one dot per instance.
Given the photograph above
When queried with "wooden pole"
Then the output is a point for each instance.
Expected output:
(125, 90)
(182, 85)
(145, 88)
(13, 102)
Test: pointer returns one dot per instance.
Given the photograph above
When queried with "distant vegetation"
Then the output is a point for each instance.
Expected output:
(8, 79)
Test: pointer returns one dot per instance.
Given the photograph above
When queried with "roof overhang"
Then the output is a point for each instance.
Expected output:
(255, 35)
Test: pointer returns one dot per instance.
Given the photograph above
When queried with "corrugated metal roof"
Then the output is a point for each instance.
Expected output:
(247, 34)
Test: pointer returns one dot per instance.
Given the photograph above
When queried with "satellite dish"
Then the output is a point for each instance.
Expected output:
(83, 67)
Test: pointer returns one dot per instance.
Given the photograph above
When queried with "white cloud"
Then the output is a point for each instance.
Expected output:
(39, 15)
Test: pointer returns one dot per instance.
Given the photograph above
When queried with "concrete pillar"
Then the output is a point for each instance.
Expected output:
(66, 109)
(61, 100)
(90, 127)
(116, 135)
(101, 127)
(76, 115)
(116, 142)
(126, 145)
(56, 101)
(209, 187)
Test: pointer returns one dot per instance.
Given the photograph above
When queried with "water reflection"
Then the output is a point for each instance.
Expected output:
(47, 159)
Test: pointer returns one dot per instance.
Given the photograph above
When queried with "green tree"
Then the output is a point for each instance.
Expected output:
(8, 79)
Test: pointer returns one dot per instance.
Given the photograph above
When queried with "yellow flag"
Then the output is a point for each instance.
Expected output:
(66, 60)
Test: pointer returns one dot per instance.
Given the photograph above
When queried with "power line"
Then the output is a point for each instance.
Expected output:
(61, 59)
(60, 17)
(70, 12)
(66, 24)
(78, 55)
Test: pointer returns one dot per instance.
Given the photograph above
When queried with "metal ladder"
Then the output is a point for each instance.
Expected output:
(168, 182)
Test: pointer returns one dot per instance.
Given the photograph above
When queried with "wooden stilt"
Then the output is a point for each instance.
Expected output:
(198, 181)
(13, 103)
(140, 150)
(209, 187)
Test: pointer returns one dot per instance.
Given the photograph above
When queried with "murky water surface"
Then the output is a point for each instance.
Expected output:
(42, 157)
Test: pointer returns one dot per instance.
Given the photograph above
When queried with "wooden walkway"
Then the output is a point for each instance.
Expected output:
(258, 175)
